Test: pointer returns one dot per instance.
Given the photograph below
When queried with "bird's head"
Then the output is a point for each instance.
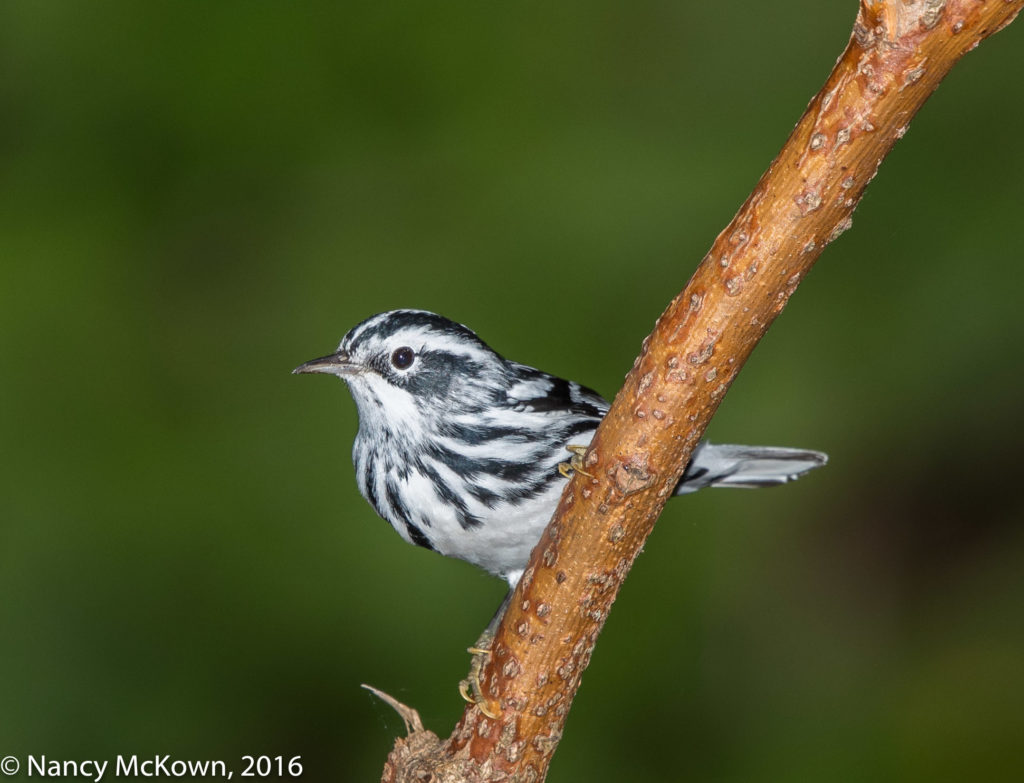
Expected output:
(405, 364)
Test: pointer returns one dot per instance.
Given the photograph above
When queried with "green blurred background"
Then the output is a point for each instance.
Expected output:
(196, 197)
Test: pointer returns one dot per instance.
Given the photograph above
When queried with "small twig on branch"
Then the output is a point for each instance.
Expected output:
(899, 52)
(409, 715)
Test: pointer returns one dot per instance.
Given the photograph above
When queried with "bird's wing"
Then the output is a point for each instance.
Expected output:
(538, 392)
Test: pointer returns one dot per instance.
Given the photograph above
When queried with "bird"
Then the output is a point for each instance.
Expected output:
(463, 451)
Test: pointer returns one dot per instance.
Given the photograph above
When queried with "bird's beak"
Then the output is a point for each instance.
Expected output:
(335, 364)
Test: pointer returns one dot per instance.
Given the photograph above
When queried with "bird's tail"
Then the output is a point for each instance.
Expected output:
(747, 467)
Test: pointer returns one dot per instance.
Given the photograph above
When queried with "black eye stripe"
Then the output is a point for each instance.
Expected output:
(403, 357)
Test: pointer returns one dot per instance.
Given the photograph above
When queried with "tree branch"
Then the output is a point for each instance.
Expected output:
(899, 52)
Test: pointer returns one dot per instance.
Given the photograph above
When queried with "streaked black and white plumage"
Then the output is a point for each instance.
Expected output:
(458, 448)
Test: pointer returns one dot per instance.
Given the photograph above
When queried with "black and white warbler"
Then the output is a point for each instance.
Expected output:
(460, 449)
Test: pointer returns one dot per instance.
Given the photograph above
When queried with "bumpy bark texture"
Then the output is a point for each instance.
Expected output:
(898, 53)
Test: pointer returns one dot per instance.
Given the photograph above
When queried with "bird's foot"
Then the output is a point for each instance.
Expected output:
(575, 463)
(470, 688)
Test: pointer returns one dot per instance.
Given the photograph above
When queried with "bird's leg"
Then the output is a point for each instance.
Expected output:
(470, 688)
(575, 463)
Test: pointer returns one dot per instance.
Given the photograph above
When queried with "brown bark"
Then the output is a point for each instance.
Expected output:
(899, 52)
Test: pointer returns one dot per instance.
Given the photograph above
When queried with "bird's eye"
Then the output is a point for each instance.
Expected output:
(402, 358)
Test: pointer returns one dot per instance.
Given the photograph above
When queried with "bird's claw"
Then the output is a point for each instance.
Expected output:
(575, 463)
(470, 688)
